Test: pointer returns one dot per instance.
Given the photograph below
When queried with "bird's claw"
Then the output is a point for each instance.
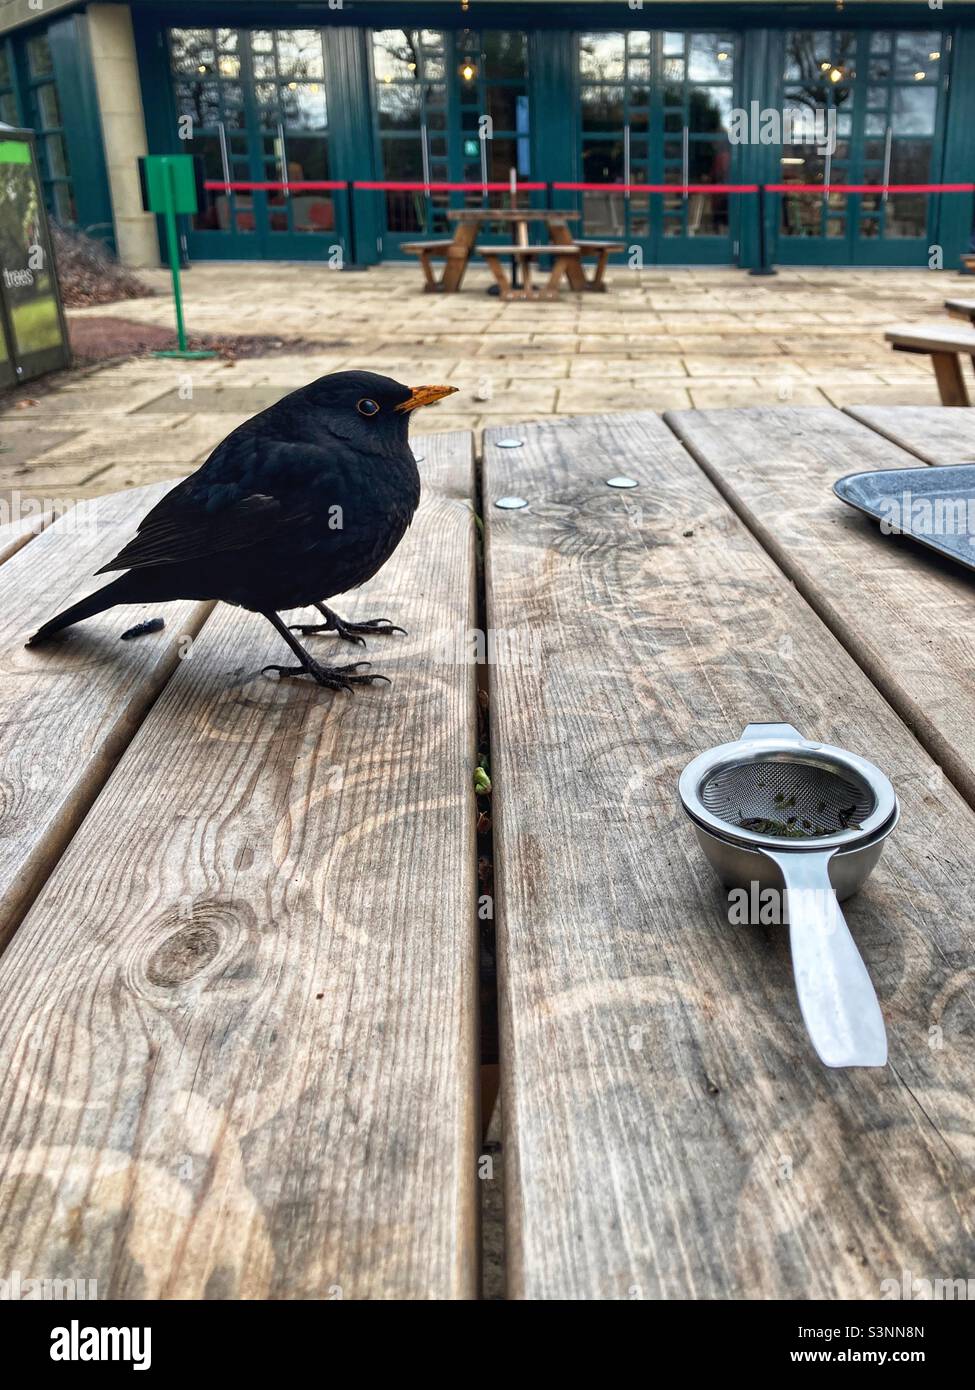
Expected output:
(311, 629)
(351, 632)
(332, 677)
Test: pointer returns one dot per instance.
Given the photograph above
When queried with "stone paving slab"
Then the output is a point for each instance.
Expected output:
(660, 339)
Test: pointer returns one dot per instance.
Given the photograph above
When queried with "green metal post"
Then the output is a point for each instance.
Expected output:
(172, 243)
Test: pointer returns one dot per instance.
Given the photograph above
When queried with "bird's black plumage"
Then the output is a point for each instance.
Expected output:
(303, 501)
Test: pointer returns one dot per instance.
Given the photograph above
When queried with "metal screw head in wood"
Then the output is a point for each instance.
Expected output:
(509, 443)
(510, 504)
(622, 481)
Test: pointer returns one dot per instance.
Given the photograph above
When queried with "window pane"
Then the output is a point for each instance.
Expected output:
(39, 56)
(394, 56)
(303, 105)
(709, 108)
(913, 53)
(48, 108)
(300, 53)
(913, 110)
(710, 58)
(601, 56)
(602, 161)
(63, 200)
(907, 215)
(505, 53)
(398, 107)
(57, 156)
(191, 50)
(602, 108)
(910, 161)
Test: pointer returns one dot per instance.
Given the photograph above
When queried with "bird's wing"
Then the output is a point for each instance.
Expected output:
(209, 512)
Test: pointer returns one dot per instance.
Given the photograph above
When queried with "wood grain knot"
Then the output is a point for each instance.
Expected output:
(183, 955)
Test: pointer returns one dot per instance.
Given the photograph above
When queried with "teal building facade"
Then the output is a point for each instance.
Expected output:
(349, 127)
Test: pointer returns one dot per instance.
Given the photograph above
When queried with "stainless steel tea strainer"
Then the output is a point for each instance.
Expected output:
(781, 810)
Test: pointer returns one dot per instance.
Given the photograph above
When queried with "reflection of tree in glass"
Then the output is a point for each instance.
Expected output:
(19, 217)
(402, 50)
(812, 58)
(191, 49)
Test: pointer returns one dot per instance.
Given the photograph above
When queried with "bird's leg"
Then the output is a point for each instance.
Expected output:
(334, 677)
(349, 632)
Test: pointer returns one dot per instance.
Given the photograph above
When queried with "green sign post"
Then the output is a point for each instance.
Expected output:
(169, 187)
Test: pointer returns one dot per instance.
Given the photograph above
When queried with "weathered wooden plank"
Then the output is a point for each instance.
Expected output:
(668, 1130)
(238, 1027)
(906, 615)
(961, 308)
(934, 433)
(17, 531)
(69, 709)
(944, 335)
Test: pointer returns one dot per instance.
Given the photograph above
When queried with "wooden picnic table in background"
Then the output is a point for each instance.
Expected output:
(567, 262)
(239, 1035)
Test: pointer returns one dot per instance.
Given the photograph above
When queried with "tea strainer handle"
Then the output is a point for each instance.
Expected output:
(836, 995)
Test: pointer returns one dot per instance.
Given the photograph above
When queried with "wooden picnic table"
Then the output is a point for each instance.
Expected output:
(566, 263)
(238, 1009)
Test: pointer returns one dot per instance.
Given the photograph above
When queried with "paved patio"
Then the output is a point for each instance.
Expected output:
(660, 339)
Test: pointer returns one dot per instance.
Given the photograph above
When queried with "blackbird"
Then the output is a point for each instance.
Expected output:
(305, 500)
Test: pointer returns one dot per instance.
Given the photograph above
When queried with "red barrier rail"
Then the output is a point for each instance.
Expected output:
(406, 186)
(824, 189)
(402, 186)
(656, 187)
(268, 186)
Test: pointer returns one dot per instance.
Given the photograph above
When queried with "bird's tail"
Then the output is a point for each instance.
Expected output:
(119, 591)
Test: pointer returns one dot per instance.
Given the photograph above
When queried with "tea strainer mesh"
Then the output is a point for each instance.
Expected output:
(788, 798)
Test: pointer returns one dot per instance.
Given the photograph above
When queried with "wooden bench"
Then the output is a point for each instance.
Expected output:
(961, 309)
(602, 250)
(455, 250)
(588, 246)
(563, 255)
(945, 345)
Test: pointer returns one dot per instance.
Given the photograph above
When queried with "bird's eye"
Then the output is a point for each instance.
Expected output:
(367, 407)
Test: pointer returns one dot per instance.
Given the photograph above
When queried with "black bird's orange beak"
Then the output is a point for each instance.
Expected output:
(425, 395)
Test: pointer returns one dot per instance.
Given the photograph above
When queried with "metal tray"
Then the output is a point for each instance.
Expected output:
(935, 506)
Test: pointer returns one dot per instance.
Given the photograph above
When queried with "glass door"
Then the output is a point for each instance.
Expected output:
(900, 145)
(291, 115)
(410, 110)
(448, 108)
(881, 90)
(253, 103)
(654, 109)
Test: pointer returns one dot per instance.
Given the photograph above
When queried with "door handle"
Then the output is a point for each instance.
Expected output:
(484, 166)
(886, 178)
(222, 136)
(425, 156)
(626, 160)
(283, 160)
(685, 160)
